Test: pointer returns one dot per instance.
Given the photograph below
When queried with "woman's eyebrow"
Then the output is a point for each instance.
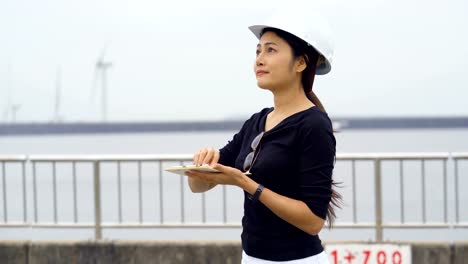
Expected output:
(267, 43)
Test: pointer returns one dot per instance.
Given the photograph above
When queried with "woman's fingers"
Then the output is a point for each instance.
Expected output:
(201, 156)
(206, 156)
(195, 157)
(215, 159)
(198, 156)
(209, 156)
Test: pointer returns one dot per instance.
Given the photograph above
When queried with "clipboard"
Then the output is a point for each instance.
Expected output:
(183, 168)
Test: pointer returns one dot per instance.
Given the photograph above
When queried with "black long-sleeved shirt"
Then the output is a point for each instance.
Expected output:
(295, 159)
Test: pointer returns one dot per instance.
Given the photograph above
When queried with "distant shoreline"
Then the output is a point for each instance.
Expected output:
(15, 129)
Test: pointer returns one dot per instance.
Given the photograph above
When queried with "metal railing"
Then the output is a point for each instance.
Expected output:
(378, 160)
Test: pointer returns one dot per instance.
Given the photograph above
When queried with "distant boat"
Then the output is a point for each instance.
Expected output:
(337, 126)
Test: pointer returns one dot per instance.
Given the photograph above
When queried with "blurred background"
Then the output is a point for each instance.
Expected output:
(169, 77)
(162, 60)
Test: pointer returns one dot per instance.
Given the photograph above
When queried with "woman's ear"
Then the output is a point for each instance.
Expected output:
(301, 64)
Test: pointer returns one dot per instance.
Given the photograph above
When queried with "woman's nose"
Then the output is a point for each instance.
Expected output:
(259, 60)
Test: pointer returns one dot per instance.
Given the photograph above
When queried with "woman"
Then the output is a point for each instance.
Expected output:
(283, 157)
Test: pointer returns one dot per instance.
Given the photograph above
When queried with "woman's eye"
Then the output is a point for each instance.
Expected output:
(270, 50)
(257, 52)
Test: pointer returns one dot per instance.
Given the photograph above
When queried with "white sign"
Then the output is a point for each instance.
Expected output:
(368, 253)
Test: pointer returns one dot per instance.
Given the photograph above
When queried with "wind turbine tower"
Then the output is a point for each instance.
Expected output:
(58, 84)
(101, 73)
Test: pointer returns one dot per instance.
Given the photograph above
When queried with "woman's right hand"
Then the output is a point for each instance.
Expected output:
(203, 156)
(207, 155)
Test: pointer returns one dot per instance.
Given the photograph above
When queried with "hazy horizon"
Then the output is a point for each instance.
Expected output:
(182, 60)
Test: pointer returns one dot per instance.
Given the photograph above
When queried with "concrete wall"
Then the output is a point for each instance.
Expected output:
(164, 252)
(440, 253)
(112, 252)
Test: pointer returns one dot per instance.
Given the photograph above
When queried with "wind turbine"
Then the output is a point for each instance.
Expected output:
(11, 108)
(8, 107)
(58, 84)
(14, 110)
(6, 112)
(100, 71)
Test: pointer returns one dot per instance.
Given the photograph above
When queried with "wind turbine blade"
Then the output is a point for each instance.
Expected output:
(5, 115)
(103, 52)
(94, 85)
(97, 70)
(58, 83)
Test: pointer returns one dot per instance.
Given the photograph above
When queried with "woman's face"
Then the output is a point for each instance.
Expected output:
(274, 64)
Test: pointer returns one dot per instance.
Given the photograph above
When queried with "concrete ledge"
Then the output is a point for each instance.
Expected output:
(177, 252)
(14, 252)
(460, 253)
(71, 252)
(428, 253)
(112, 252)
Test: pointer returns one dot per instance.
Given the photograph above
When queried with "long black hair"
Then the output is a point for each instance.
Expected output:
(300, 48)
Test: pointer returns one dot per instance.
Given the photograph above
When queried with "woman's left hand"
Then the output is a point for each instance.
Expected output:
(227, 175)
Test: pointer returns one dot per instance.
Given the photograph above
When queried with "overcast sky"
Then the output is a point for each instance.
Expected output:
(192, 60)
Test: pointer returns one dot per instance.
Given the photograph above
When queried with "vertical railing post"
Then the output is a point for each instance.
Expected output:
(34, 191)
(224, 205)
(353, 164)
(25, 205)
(457, 219)
(445, 191)
(378, 200)
(97, 201)
(5, 204)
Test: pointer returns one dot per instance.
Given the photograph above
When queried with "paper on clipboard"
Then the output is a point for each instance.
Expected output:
(183, 168)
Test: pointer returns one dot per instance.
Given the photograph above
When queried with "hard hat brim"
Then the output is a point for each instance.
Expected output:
(322, 69)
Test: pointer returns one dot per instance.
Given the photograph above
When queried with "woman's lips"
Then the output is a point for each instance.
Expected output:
(260, 73)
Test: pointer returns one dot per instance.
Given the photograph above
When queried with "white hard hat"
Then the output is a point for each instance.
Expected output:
(311, 28)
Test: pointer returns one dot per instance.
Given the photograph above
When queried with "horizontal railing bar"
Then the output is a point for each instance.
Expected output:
(461, 225)
(13, 158)
(179, 157)
(393, 156)
(143, 225)
(123, 225)
(172, 225)
(158, 157)
(460, 155)
(421, 225)
(351, 225)
(14, 224)
(215, 225)
(48, 225)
